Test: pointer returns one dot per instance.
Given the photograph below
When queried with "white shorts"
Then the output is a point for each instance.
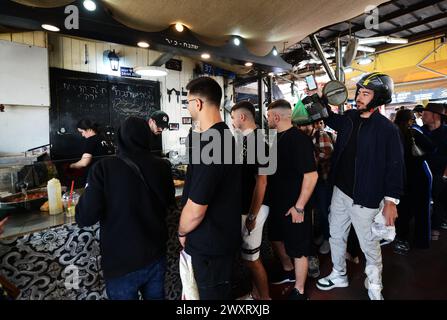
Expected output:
(251, 243)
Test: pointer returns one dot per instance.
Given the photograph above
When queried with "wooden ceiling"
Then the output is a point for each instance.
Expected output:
(263, 23)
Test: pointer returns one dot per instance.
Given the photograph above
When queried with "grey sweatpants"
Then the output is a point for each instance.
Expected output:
(342, 213)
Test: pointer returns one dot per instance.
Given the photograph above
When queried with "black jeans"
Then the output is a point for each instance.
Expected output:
(415, 203)
(213, 276)
(439, 202)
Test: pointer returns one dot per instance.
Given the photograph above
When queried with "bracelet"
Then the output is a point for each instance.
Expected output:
(180, 235)
(300, 211)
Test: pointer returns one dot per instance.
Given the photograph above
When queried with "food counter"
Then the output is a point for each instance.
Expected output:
(44, 255)
(29, 222)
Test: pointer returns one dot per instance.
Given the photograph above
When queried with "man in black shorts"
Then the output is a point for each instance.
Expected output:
(289, 189)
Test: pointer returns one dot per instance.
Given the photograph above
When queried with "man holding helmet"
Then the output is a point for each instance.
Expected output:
(367, 170)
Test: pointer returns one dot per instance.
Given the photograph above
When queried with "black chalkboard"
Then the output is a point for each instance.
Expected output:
(131, 100)
(104, 99)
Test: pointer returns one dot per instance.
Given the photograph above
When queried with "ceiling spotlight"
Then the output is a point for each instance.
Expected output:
(89, 5)
(249, 64)
(179, 27)
(50, 27)
(151, 71)
(205, 56)
(143, 44)
(237, 41)
(275, 52)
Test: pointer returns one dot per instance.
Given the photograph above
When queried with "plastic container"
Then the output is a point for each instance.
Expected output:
(54, 190)
(70, 211)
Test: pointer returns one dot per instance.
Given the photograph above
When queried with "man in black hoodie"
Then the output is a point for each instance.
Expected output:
(129, 195)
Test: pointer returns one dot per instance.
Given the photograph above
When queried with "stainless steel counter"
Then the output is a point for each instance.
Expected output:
(26, 223)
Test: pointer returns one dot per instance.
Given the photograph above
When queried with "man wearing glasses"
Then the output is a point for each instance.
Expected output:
(210, 222)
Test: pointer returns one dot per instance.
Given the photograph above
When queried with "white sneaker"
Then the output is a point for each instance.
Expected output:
(334, 280)
(374, 290)
(325, 248)
(246, 297)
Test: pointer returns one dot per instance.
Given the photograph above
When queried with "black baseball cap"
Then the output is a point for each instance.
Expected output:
(418, 108)
(161, 119)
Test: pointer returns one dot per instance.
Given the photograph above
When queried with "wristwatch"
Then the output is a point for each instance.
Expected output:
(251, 217)
(300, 211)
(393, 200)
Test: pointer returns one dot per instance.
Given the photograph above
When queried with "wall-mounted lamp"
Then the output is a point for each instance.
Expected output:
(114, 60)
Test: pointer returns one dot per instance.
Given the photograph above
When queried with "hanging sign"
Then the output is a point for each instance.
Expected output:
(128, 72)
(182, 44)
(174, 64)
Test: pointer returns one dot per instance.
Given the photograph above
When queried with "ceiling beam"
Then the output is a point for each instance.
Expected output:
(393, 15)
(415, 24)
(161, 60)
(432, 32)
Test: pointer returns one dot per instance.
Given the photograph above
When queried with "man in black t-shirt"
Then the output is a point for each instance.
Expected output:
(210, 222)
(254, 184)
(289, 190)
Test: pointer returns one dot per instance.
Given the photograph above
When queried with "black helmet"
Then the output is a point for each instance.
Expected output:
(381, 84)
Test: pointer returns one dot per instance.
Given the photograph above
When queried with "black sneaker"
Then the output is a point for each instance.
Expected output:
(283, 277)
(296, 295)
(401, 247)
(314, 267)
